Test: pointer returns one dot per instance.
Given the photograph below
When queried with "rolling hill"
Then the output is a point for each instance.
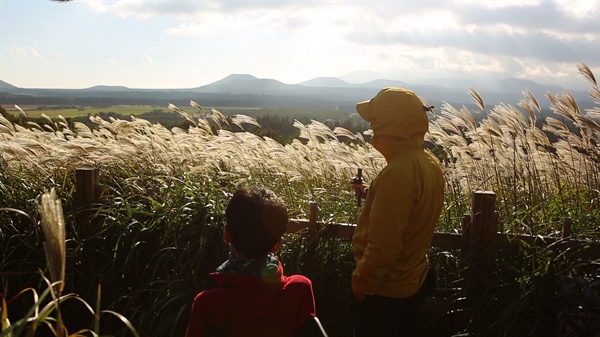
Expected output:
(244, 90)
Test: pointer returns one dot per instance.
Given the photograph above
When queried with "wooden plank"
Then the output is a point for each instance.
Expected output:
(313, 214)
(87, 179)
(451, 241)
(567, 228)
(345, 231)
(338, 231)
(447, 241)
(87, 192)
(297, 225)
(579, 248)
(482, 248)
(330, 230)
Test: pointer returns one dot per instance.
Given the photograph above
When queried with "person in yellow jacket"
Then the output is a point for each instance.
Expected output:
(397, 222)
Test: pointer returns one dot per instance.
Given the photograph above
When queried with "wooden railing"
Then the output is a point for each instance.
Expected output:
(479, 236)
(478, 242)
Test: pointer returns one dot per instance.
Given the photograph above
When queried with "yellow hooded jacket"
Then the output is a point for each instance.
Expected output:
(404, 202)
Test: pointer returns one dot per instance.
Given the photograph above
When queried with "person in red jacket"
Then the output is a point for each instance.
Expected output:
(253, 297)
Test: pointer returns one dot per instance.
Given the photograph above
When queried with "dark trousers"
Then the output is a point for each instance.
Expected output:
(379, 316)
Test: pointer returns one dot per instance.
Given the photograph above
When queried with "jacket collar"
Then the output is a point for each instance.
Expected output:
(389, 146)
(270, 277)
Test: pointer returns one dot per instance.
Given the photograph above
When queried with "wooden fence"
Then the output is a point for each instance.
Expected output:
(479, 241)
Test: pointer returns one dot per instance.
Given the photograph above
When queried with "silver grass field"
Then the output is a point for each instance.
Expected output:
(158, 222)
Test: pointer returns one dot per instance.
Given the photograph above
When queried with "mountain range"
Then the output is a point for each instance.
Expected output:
(243, 90)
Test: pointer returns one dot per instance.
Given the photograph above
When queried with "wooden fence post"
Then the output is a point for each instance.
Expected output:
(87, 192)
(567, 230)
(313, 215)
(480, 248)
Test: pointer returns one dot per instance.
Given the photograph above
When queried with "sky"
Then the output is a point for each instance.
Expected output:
(190, 43)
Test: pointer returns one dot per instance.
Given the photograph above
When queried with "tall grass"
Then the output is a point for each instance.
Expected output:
(43, 316)
(159, 222)
(538, 181)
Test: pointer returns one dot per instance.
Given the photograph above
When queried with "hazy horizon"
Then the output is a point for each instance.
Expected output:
(358, 79)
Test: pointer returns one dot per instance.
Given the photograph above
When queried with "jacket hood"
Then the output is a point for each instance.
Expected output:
(395, 112)
(397, 116)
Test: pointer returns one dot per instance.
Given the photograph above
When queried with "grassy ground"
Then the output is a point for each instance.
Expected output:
(67, 112)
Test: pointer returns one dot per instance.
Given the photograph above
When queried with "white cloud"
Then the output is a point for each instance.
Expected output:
(196, 28)
(564, 74)
(146, 9)
(506, 3)
(580, 8)
(293, 41)
(24, 51)
(148, 58)
(272, 22)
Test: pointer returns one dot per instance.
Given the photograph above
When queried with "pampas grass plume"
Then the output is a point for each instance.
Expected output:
(53, 225)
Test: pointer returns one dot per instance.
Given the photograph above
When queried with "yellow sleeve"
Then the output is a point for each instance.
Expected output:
(389, 214)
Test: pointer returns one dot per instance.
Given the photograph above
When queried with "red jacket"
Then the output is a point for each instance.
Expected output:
(244, 305)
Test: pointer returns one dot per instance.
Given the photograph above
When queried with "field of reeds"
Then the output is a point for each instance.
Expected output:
(157, 229)
(35, 111)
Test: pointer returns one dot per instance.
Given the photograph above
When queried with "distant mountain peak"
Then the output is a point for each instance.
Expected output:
(241, 77)
(361, 76)
(107, 88)
(513, 83)
(236, 78)
(328, 82)
(6, 85)
(386, 83)
(245, 84)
